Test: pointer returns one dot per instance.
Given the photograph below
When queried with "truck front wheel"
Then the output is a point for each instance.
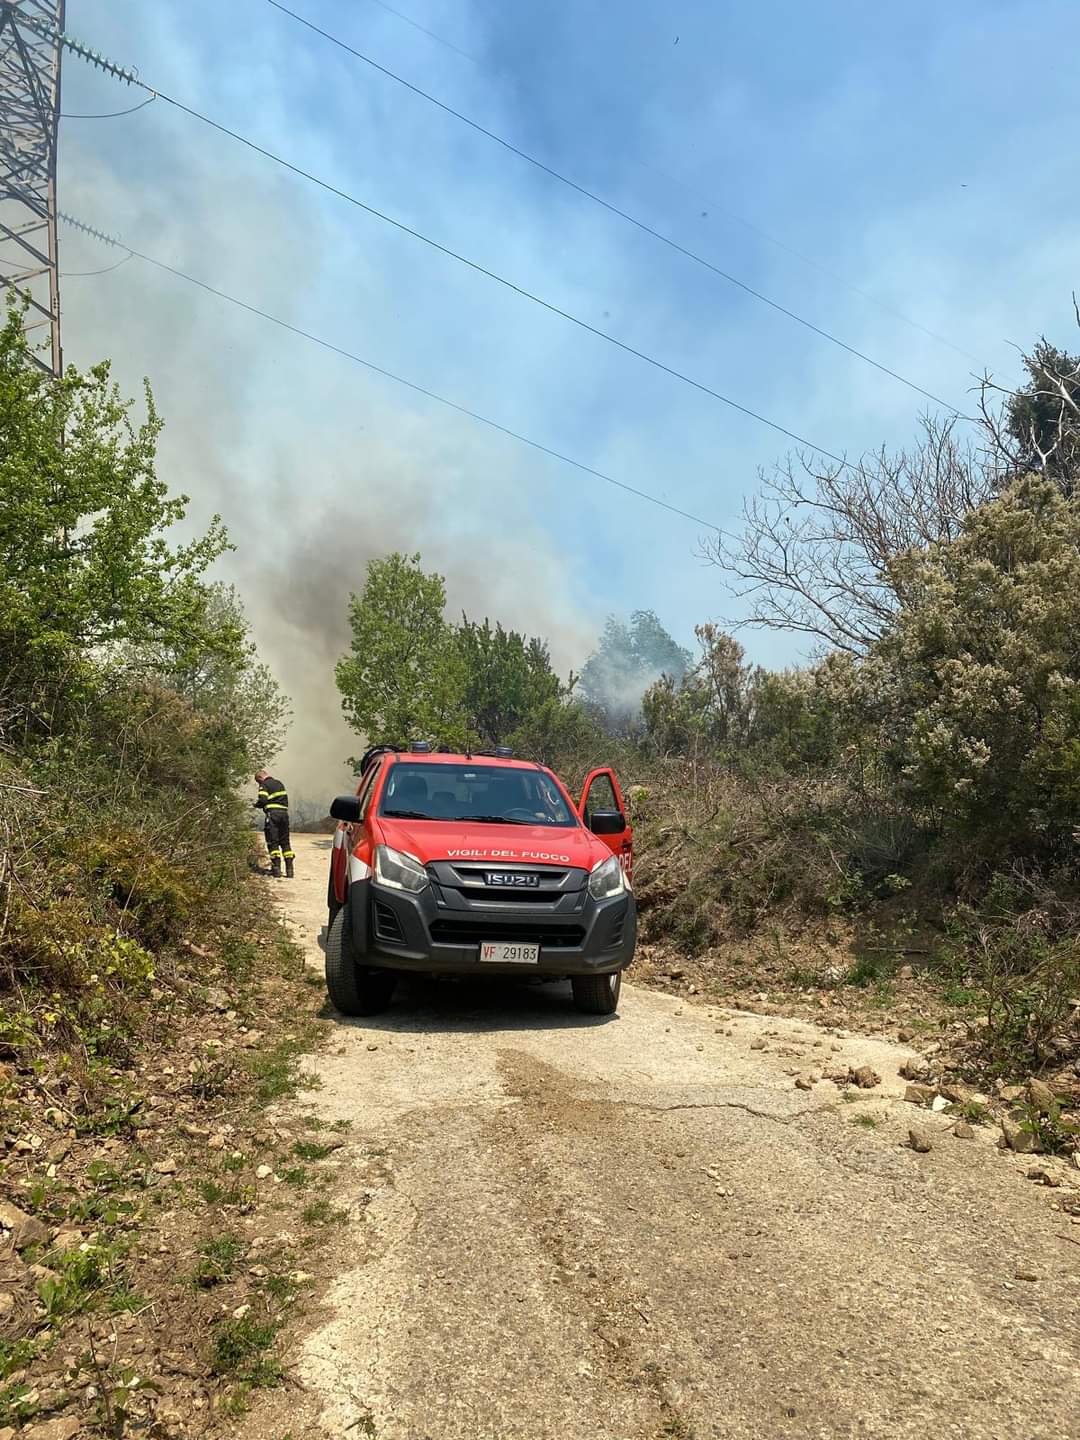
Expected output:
(354, 989)
(597, 994)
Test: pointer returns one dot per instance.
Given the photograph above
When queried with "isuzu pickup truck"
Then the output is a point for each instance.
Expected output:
(478, 864)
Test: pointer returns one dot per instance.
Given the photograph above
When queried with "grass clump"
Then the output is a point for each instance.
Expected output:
(276, 1070)
(241, 1351)
(217, 1259)
(311, 1150)
(323, 1212)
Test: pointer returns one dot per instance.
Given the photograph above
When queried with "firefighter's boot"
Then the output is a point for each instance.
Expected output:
(275, 866)
(290, 874)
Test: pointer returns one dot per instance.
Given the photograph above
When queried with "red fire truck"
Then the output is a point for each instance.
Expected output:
(478, 864)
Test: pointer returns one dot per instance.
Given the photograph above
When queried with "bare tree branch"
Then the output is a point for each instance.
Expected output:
(818, 544)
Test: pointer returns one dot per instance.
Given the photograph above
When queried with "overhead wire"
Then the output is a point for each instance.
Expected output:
(109, 114)
(729, 214)
(642, 355)
(424, 31)
(391, 375)
(609, 206)
(106, 270)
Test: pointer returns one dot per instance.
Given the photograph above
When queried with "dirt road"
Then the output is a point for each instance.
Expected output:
(566, 1228)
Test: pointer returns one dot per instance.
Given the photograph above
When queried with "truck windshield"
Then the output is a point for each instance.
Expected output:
(480, 794)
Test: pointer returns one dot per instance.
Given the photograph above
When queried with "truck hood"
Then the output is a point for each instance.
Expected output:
(432, 840)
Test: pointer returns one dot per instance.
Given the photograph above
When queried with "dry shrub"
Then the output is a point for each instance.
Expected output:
(722, 851)
(1018, 954)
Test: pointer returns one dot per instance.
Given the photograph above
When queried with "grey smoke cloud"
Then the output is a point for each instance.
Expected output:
(316, 464)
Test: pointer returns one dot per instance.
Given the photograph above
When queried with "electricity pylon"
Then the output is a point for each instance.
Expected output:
(29, 125)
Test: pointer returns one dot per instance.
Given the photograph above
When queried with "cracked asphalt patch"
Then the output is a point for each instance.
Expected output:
(635, 1228)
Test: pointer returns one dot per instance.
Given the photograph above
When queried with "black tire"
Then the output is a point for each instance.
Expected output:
(597, 994)
(354, 989)
(333, 904)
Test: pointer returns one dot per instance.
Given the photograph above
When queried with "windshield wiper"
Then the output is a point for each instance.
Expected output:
(410, 815)
(493, 820)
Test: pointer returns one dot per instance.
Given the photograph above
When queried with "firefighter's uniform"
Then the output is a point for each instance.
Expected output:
(273, 801)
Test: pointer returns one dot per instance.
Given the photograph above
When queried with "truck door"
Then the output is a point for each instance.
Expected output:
(604, 812)
(346, 837)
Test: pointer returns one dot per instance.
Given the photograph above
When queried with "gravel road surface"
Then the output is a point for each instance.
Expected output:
(571, 1228)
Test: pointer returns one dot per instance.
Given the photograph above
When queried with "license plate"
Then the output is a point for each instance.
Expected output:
(500, 954)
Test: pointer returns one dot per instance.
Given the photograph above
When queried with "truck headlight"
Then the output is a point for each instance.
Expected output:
(607, 879)
(399, 871)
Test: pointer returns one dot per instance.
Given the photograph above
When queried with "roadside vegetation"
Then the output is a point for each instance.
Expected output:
(904, 809)
(135, 950)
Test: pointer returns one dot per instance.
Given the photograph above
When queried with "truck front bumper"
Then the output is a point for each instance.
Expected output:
(399, 931)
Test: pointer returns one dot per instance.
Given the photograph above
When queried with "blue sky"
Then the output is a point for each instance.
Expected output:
(916, 154)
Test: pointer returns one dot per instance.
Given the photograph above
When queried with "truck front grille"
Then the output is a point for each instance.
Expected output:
(467, 932)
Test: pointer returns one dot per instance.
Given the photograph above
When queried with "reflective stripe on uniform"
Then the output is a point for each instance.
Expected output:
(288, 854)
(275, 796)
(275, 807)
(276, 854)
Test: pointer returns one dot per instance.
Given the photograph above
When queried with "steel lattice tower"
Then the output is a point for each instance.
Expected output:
(29, 126)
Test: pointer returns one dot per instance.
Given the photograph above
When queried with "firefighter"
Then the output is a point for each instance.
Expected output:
(273, 801)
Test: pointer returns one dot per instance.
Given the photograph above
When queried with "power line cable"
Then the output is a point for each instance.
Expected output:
(387, 374)
(729, 214)
(423, 31)
(607, 205)
(129, 78)
(106, 270)
(809, 261)
(109, 114)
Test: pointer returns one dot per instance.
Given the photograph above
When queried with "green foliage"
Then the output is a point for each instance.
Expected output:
(217, 1260)
(128, 699)
(144, 883)
(84, 558)
(312, 1150)
(18, 1400)
(240, 1351)
(508, 680)
(1043, 417)
(243, 715)
(323, 1212)
(413, 675)
(276, 1069)
(1014, 959)
(403, 679)
(1056, 1132)
(977, 684)
(81, 1279)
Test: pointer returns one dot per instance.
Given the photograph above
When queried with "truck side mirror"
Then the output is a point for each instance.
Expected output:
(606, 822)
(346, 807)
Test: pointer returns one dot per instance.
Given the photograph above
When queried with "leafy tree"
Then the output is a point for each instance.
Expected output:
(507, 679)
(227, 686)
(561, 732)
(977, 684)
(85, 562)
(711, 704)
(1043, 416)
(403, 679)
(628, 659)
(413, 675)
